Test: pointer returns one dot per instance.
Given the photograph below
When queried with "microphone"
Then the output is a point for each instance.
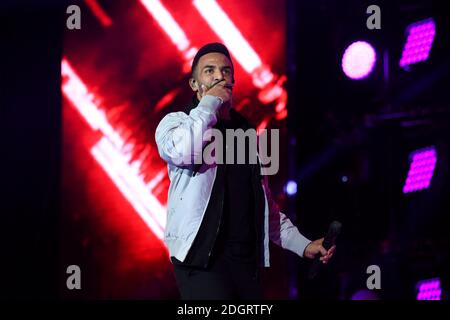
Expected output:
(329, 240)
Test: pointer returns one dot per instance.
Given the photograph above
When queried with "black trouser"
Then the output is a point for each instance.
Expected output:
(225, 279)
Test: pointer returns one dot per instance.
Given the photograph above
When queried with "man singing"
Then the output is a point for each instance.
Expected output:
(220, 215)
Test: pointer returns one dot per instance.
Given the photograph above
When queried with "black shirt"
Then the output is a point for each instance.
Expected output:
(237, 237)
(230, 223)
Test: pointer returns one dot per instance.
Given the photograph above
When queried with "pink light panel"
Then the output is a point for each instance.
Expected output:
(429, 289)
(419, 42)
(423, 163)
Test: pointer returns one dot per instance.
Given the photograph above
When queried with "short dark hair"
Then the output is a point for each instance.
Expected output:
(208, 48)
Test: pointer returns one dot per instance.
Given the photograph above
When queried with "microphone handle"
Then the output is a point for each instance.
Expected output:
(328, 242)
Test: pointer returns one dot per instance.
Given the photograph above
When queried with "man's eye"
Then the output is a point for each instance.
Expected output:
(209, 71)
(226, 71)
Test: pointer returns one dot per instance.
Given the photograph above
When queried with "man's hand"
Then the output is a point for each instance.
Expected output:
(315, 248)
(219, 89)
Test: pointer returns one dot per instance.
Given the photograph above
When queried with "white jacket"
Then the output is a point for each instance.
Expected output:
(189, 193)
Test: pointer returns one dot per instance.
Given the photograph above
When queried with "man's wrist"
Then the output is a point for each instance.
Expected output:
(219, 99)
(210, 103)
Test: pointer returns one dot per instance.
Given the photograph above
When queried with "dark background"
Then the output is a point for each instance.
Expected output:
(365, 130)
(30, 116)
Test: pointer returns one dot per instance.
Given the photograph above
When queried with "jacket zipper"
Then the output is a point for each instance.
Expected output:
(223, 177)
(218, 225)
(217, 233)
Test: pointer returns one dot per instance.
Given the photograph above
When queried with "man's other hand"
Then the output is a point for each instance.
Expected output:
(315, 248)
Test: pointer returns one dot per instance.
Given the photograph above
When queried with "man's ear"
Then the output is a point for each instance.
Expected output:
(193, 84)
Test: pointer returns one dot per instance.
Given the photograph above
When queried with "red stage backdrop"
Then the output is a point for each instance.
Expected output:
(126, 68)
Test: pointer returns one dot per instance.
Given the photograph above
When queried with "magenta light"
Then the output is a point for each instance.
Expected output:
(423, 163)
(359, 60)
(418, 44)
(429, 289)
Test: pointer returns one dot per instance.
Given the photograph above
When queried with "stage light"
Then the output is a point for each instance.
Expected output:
(291, 188)
(429, 289)
(219, 21)
(226, 30)
(113, 154)
(423, 163)
(419, 42)
(221, 24)
(167, 23)
(99, 13)
(359, 60)
(77, 93)
(130, 185)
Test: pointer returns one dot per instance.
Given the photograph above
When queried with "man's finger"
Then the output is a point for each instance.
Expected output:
(202, 90)
(214, 84)
(322, 250)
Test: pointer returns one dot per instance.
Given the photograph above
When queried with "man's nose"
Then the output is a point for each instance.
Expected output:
(218, 75)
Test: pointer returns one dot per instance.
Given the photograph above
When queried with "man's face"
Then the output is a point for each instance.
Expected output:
(211, 68)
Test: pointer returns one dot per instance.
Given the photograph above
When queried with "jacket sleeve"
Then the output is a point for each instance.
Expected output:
(180, 139)
(281, 230)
